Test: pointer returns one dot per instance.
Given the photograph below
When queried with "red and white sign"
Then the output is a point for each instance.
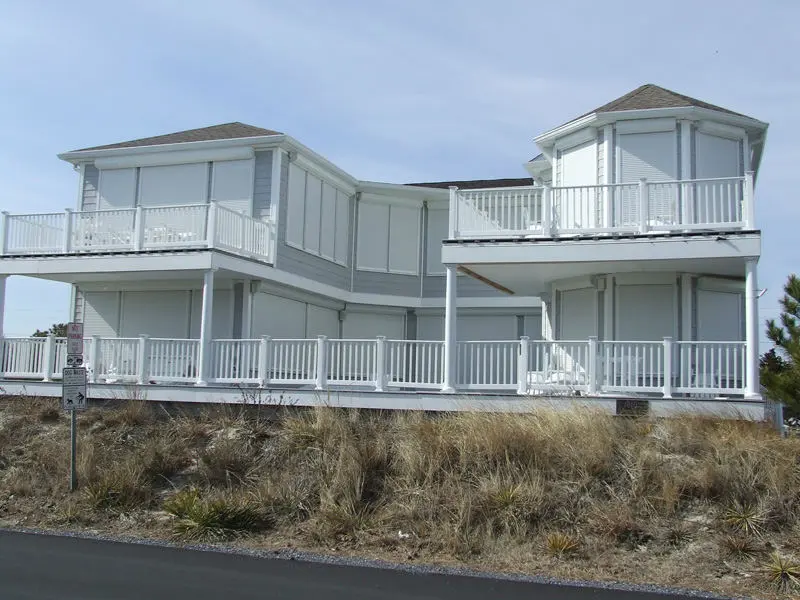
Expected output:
(74, 338)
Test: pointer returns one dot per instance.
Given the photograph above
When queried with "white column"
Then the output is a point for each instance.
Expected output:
(3, 279)
(753, 387)
(206, 323)
(450, 316)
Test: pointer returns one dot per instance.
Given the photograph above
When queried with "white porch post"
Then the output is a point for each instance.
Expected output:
(450, 316)
(753, 387)
(3, 279)
(206, 322)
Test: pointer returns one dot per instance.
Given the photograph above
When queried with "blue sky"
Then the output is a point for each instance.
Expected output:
(389, 90)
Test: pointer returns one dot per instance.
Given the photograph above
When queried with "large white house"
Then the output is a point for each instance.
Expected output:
(624, 264)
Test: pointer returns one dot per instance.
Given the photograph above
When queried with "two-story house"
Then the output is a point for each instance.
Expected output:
(623, 264)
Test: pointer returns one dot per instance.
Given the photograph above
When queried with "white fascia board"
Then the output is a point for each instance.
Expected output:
(502, 302)
(261, 142)
(588, 251)
(87, 264)
(177, 157)
(548, 137)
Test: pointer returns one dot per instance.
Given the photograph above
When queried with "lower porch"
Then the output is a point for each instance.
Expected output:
(664, 368)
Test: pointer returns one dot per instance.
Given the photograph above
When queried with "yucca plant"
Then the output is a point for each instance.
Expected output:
(782, 572)
(561, 544)
(739, 546)
(747, 519)
(211, 519)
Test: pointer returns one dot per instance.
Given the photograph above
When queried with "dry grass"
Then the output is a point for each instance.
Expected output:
(686, 501)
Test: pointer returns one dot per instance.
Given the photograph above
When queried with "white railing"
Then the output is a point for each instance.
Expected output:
(558, 367)
(235, 361)
(352, 362)
(711, 367)
(34, 234)
(487, 365)
(173, 226)
(643, 206)
(116, 360)
(103, 230)
(414, 363)
(134, 229)
(517, 210)
(291, 361)
(170, 360)
(666, 367)
(630, 366)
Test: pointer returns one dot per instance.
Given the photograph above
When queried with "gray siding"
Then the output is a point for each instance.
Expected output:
(91, 179)
(433, 286)
(371, 282)
(263, 184)
(301, 263)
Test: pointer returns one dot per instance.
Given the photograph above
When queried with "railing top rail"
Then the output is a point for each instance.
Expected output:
(294, 339)
(488, 341)
(167, 206)
(661, 341)
(366, 340)
(518, 188)
(46, 214)
(155, 339)
(597, 186)
(103, 211)
(707, 179)
(710, 342)
(417, 341)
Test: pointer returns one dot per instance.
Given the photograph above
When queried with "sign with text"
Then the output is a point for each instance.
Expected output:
(74, 338)
(73, 388)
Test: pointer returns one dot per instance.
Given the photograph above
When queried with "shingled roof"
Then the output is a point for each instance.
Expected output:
(652, 96)
(226, 131)
(477, 183)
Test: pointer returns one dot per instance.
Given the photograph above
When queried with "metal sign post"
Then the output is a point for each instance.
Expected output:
(73, 393)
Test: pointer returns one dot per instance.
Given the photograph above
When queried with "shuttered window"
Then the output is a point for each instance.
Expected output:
(652, 156)
(173, 185)
(117, 188)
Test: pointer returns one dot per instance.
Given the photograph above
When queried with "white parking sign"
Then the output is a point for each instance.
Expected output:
(74, 338)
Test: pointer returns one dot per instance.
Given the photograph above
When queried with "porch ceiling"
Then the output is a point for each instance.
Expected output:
(535, 279)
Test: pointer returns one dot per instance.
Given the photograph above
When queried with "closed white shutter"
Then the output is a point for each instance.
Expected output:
(101, 315)
(645, 312)
(173, 184)
(486, 327)
(579, 165)
(343, 220)
(321, 321)
(373, 233)
(652, 156)
(162, 314)
(327, 234)
(232, 184)
(279, 317)
(295, 209)
(117, 188)
(404, 240)
(578, 314)
(719, 316)
(717, 157)
(312, 213)
(437, 233)
(359, 326)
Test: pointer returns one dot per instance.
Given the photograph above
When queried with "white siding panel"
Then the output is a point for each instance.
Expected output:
(327, 241)
(716, 156)
(358, 325)
(719, 316)
(321, 321)
(232, 184)
(295, 209)
(313, 214)
(404, 240)
(173, 184)
(278, 317)
(342, 250)
(155, 313)
(579, 165)
(101, 314)
(645, 312)
(373, 230)
(117, 188)
(437, 232)
(578, 314)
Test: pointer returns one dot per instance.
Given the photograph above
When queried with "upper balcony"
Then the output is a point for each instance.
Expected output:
(144, 228)
(720, 204)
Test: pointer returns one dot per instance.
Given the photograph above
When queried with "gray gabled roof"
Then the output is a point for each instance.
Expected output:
(226, 131)
(650, 95)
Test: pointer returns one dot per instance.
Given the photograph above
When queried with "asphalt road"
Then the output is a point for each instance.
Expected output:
(43, 567)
